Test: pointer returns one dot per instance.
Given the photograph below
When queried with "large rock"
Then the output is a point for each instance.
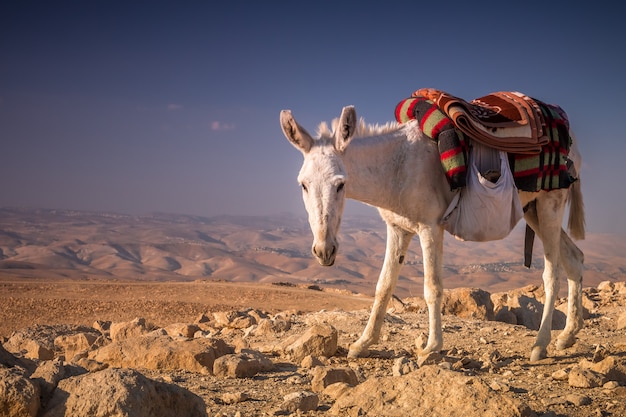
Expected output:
(318, 340)
(8, 359)
(182, 330)
(128, 329)
(585, 378)
(324, 376)
(47, 376)
(524, 306)
(29, 347)
(37, 342)
(469, 303)
(121, 393)
(430, 391)
(234, 319)
(75, 343)
(245, 364)
(162, 352)
(19, 396)
(612, 367)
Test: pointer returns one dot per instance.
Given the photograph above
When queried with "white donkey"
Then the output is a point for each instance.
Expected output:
(397, 169)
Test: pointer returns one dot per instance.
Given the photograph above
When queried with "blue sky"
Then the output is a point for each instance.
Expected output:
(172, 106)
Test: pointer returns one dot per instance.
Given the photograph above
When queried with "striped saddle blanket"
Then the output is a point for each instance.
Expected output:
(534, 134)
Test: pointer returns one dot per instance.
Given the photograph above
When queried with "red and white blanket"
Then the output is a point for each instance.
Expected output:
(535, 134)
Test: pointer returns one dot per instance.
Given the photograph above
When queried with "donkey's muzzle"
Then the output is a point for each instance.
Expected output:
(325, 254)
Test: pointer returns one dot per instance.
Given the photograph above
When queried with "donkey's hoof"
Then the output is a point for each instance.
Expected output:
(538, 353)
(422, 353)
(357, 352)
(565, 342)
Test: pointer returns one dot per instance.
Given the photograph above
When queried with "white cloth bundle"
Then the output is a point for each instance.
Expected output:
(485, 210)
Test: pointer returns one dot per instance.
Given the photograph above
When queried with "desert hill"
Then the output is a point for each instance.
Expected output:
(85, 296)
(65, 244)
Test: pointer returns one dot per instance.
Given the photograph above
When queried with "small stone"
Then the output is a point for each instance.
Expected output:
(203, 318)
(300, 401)
(336, 390)
(403, 366)
(310, 362)
(467, 363)
(599, 354)
(560, 375)
(606, 286)
(578, 400)
(551, 402)
(621, 322)
(499, 386)
(234, 397)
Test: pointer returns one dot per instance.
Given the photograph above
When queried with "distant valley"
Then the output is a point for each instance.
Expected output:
(65, 244)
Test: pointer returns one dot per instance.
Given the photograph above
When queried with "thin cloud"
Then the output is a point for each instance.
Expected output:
(174, 107)
(217, 125)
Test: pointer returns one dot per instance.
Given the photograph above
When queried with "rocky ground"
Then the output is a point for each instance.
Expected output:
(232, 359)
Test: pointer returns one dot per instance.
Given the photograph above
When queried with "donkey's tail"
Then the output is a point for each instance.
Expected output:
(576, 221)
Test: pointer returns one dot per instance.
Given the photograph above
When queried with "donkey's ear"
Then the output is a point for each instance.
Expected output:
(296, 134)
(345, 128)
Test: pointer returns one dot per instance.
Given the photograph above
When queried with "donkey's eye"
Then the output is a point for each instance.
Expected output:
(340, 187)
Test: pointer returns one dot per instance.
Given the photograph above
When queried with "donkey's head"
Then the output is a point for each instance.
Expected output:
(322, 178)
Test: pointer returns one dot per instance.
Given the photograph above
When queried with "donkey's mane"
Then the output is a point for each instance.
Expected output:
(362, 129)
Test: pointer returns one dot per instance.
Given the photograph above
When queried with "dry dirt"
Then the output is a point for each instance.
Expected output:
(25, 303)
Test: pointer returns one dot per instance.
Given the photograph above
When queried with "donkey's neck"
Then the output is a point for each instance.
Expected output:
(376, 167)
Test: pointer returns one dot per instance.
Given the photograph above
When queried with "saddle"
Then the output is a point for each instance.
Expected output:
(534, 134)
(508, 121)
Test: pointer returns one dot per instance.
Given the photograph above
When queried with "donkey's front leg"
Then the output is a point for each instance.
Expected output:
(397, 244)
(431, 240)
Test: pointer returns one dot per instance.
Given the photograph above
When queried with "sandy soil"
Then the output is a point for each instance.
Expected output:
(26, 302)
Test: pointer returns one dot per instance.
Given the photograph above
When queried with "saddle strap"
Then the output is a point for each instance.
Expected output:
(529, 240)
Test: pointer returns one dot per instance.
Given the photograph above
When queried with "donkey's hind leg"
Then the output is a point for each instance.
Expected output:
(572, 260)
(545, 218)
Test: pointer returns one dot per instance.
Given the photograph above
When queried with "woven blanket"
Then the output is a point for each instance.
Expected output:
(509, 121)
(546, 170)
(452, 144)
